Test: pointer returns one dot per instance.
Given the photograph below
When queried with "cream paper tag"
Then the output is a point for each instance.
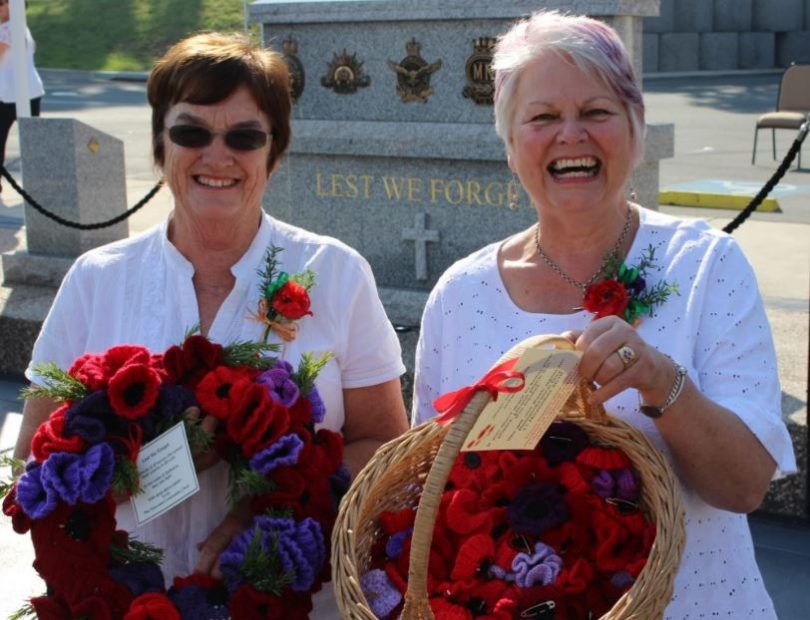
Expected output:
(167, 475)
(517, 421)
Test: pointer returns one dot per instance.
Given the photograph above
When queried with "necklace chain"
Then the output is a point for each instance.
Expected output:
(628, 220)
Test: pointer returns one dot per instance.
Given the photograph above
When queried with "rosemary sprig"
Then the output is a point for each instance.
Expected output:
(58, 385)
(26, 611)
(136, 551)
(308, 369)
(251, 354)
(262, 568)
(15, 465)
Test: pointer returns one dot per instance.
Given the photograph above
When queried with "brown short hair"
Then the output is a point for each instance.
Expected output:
(208, 68)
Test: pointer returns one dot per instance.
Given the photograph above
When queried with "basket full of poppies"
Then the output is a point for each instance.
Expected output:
(588, 524)
(84, 458)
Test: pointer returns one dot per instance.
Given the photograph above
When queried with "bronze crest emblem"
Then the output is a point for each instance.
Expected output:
(480, 77)
(413, 74)
(295, 67)
(345, 74)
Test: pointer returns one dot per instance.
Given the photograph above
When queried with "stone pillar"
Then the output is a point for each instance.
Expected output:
(78, 173)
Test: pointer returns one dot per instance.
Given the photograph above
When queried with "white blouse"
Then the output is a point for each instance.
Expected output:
(35, 88)
(716, 328)
(139, 291)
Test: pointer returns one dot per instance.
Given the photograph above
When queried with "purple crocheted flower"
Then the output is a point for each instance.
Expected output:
(622, 579)
(299, 547)
(282, 453)
(93, 419)
(279, 383)
(318, 408)
(619, 483)
(96, 469)
(396, 544)
(562, 442)
(380, 593)
(62, 476)
(603, 484)
(138, 577)
(538, 568)
(626, 484)
(36, 501)
(172, 401)
(535, 509)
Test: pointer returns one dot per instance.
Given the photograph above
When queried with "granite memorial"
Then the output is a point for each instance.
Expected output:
(394, 149)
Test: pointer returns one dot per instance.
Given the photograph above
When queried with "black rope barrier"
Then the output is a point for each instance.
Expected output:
(777, 176)
(60, 220)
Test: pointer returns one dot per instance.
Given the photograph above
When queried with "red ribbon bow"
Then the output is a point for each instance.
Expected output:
(496, 380)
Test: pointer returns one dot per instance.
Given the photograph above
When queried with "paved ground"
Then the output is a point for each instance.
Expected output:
(714, 120)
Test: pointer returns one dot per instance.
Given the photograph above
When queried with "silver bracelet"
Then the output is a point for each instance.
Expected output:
(680, 380)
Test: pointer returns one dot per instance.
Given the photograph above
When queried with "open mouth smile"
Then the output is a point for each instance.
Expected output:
(573, 168)
(215, 183)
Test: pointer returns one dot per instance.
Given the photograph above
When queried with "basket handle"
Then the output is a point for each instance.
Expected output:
(417, 606)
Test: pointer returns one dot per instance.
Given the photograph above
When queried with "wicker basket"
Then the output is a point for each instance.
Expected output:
(412, 471)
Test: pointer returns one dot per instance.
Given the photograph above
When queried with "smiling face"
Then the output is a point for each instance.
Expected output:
(216, 183)
(570, 141)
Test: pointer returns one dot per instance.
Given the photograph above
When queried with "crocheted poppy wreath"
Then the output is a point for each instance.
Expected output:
(84, 455)
(554, 532)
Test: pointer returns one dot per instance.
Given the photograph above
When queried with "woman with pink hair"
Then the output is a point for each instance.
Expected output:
(665, 311)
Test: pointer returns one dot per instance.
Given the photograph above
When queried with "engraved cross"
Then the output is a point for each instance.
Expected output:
(420, 236)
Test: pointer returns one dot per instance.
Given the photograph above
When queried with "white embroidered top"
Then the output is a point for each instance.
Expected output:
(139, 291)
(716, 328)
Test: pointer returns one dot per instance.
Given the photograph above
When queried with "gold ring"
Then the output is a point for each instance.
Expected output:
(627, 355)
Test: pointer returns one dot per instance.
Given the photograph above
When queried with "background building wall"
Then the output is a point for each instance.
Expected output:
(716, 35)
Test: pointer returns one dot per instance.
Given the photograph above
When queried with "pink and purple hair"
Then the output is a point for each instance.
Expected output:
(592, 46)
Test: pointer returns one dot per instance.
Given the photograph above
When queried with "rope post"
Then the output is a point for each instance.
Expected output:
(79, 173)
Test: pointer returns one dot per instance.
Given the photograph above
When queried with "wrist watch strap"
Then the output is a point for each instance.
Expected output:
(652, 411)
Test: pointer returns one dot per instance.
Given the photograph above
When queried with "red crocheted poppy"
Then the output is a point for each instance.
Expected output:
(466, 514)
(133, 390)
(49, 437)
(394, 574)
(89, 369)
(96, 596)
(475, 470)
(20, 521)
(152, 606)
(122, 355)
(82, 533)
(219, 391)
(614, 546)
(603, 458)
(330, 445)
(530, 469)
(187, 364)
(446, 610)
(572, 479)
(247, 603)
(606, 298)
(51, 608)
(393, 522)
(575, 578)
(475, 556)
(257, 421)
(301, 410)
(291, 301)
(304, 495)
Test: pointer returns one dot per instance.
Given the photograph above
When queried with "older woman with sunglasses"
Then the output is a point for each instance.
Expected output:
(220, 125)
(695, 371)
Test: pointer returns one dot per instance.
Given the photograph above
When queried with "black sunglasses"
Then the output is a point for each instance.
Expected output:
(195, 137)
